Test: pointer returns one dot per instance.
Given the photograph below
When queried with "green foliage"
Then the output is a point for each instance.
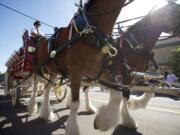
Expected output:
(175, 61)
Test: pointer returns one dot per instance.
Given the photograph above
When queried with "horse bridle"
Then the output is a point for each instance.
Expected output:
(137, 47)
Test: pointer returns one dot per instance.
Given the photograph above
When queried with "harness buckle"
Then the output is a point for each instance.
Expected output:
(53, 54)
(108, 48)
(87, 30)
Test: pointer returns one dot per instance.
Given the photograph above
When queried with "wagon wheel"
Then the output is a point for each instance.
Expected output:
(60, 92)
(15, 95)
(7, 85)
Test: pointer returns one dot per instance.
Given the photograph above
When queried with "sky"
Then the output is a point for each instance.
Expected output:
(54, 12)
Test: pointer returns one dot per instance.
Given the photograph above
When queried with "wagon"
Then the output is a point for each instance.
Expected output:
(19, 68)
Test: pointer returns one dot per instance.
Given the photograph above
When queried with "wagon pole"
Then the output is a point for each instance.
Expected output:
(164, 91)
(151, 89)
(120, 87)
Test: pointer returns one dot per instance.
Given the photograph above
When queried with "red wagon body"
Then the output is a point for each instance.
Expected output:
(20, 63)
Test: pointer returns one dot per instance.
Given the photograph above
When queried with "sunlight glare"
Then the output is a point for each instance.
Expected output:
(140, 8)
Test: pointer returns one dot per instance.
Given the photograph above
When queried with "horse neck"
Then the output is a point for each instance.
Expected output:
(105, 22)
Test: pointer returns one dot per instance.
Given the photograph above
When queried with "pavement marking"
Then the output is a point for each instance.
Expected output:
(153, 108)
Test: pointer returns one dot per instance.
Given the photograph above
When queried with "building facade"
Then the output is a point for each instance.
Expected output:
(163, 49)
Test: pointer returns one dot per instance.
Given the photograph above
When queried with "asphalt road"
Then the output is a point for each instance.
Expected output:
(161, 117)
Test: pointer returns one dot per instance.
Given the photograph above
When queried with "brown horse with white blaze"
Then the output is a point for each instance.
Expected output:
(75, 59)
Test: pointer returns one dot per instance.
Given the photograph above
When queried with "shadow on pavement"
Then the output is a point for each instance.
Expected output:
(120, 130)
(85, 113)
(16, 121)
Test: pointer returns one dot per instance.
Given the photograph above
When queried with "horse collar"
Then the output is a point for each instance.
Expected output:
(83, 27)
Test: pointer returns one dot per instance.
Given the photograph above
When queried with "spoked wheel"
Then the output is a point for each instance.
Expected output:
(15, 95)
(60, 92)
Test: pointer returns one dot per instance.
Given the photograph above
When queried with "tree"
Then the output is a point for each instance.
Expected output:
(175, 61)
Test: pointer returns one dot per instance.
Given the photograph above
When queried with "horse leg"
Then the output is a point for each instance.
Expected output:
(108, 115)
(45, 112)
(126, 119)
(72, 127)
(32, 106)
(141, 101)
(89, 107)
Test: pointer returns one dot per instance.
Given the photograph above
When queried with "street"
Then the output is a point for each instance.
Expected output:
(161, 117)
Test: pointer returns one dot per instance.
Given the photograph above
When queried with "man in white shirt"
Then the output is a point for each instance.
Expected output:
(35, 32)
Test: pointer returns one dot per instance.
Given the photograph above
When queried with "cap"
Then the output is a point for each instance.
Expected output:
(37, 23)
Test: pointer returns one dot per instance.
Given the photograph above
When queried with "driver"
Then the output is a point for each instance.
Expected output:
(35, 32)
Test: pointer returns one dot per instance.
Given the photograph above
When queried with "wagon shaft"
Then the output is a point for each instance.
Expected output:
(158, 90)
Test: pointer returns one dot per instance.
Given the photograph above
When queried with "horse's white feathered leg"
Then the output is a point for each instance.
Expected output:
(126, 119)
(108, 115)
(89, 107)
(72, 126)
(45, 112)
(32, 106)
(141, 101)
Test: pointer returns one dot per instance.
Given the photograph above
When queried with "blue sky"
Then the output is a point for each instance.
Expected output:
(53, 12)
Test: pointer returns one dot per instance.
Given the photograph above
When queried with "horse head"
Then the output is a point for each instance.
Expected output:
(138, 41)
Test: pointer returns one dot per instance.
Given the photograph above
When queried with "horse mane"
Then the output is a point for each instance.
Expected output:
(88, 4)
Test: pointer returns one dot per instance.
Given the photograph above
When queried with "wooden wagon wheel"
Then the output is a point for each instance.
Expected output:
(60, 92)
(15, 96)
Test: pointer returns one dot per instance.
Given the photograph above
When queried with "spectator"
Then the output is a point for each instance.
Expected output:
(171, 78)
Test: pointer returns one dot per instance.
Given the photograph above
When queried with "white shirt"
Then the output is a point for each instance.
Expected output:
(35, 31)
